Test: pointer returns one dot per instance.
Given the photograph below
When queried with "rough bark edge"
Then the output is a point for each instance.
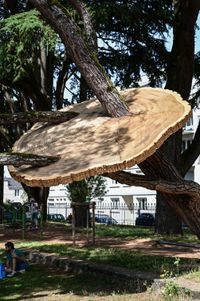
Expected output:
(118, 166)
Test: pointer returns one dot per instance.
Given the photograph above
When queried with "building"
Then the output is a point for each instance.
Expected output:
(13, 190)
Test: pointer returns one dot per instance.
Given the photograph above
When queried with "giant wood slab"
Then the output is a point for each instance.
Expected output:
(92, 143)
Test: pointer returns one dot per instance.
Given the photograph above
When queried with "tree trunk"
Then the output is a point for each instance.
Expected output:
(179, 78)
(184, 195)
(81, 211)
(167, 223)
(86, 61)
(180, 195)
(40, 194)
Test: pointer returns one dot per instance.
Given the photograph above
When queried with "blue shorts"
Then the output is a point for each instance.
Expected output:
(21, 266)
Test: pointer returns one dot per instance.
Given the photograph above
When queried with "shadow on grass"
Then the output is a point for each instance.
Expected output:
(39, 282)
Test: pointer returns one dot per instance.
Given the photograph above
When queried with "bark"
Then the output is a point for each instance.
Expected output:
(31, 117)
(62, 78)
(81, 212)
(86, 61)
(18, 159)
(182, 196)
(166, 222)
(83, 90)
(88, 24)
(181, 66)
(180, 72)
(8, 98)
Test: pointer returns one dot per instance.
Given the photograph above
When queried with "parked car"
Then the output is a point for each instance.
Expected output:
(105, 219)
(145, 219)
(56, 217)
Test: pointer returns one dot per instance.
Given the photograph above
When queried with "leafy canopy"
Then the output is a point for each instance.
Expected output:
(21, 37)
(89, 188)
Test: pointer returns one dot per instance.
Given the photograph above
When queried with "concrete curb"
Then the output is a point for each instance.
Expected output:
(194, 293)
(79, 266)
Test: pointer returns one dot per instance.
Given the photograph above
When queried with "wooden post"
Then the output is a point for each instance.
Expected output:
(93, 223)
(23, 222)
(87, 225)
(73, 225)
(41, 220)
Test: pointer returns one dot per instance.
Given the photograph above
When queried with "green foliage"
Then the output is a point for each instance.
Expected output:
(171, 290)
(89, 188)
(21, 37)
(134, 35)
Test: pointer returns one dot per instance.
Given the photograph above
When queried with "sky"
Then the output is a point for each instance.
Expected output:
(197, 45)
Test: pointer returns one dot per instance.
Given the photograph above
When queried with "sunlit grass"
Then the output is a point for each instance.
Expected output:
(142, 232)
(194, 275)
(113, 256)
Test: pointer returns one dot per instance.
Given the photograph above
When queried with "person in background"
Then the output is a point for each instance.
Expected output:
(15, 261)
(69, 218)
(34, 210)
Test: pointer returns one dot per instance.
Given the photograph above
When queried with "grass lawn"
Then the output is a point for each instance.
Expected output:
(142, 232)
(49, 284)
(117, 257)
(42, 283)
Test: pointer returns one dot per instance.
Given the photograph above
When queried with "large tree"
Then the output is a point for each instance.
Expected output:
(29, 77)
(160, 172)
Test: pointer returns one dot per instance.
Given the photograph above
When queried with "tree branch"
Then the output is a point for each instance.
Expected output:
(59, 18)
(18, 159)
(60, 85)
(178, 187)
(88, 24)
(31, 117)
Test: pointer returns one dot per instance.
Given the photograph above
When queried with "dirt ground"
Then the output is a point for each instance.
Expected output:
(56, 234)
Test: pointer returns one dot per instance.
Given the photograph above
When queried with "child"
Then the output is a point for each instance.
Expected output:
(15, 260)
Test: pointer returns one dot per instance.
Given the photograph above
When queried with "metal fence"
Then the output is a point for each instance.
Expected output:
(123, 214)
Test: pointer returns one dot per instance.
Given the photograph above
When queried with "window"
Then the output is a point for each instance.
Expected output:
(142, 202)
(16, 192)
(189, 123)
(114, 182)
(100, 201)
(185, 144)
(115, 203)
